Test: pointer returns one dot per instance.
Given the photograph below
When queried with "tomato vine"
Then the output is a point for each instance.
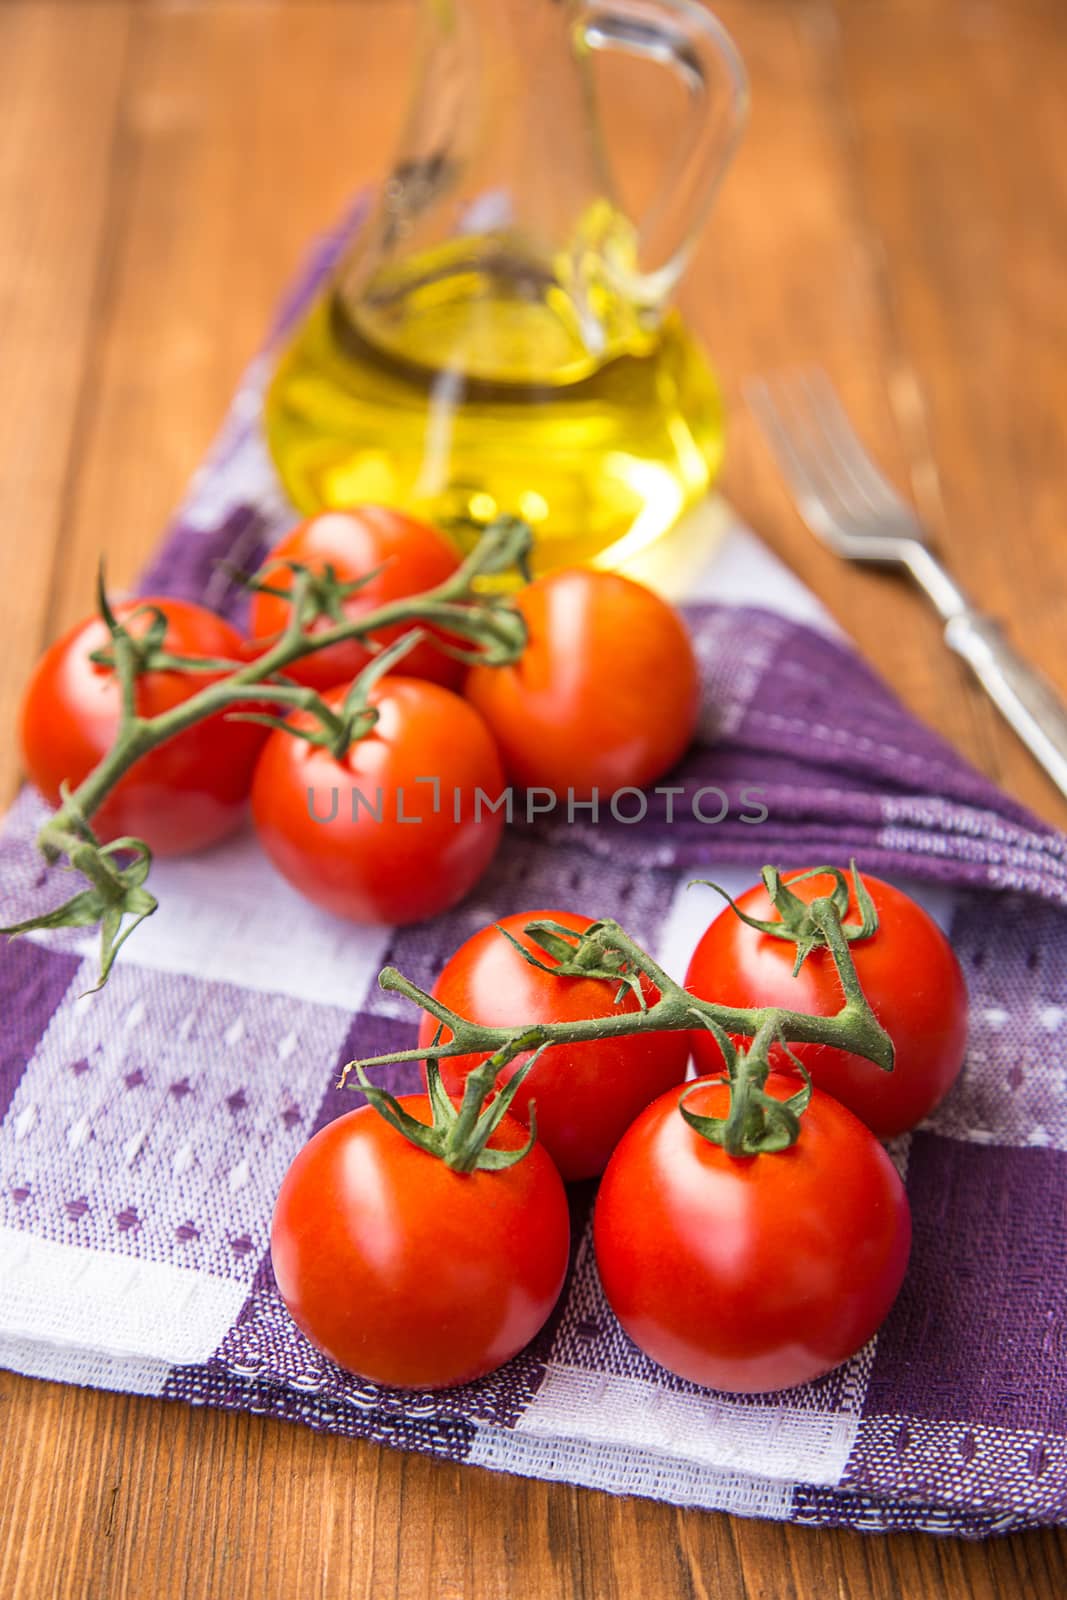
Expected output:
(115, 897)
(756, 1122)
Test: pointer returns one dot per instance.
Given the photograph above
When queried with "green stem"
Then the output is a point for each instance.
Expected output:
(748, 1073)
(461, 1139)
(115, 898)
(500, 630)
(756, 1122)
(854, 1028)
(668, 1015)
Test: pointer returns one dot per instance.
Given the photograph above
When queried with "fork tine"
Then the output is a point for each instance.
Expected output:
(873, 487)
(840, 492)
(823, 463)
(786, 424)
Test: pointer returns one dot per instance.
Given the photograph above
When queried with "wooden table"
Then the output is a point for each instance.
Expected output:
(899, 214)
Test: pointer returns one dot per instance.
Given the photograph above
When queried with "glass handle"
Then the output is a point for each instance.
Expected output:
(684, 36)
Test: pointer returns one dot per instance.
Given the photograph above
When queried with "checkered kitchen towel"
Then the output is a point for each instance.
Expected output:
(145, 1130)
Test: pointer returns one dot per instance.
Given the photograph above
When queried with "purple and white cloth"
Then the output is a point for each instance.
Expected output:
(144, 1130)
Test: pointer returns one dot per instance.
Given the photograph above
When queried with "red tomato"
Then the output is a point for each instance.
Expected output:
(757, 1272)
(586, 1095)
(406, 1272)
(413, 557)
(605, 695)
(367, 836)
(184, 795)
(909, 974)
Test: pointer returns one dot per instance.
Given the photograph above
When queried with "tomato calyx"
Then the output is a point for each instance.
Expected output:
(756, 1123)
(132, 654)
(459, 1136)
(591, 954)
(798, 920)
(312, 594)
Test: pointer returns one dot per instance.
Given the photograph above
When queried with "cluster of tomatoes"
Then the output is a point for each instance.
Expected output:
(403, 1262)
(743, 1273)
(604, 695)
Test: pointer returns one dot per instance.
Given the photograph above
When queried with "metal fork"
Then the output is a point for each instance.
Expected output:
(855, 511)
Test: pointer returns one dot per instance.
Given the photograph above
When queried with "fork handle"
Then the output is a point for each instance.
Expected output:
(1026, 699)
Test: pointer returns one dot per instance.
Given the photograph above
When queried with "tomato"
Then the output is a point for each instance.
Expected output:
(750, 1273)
(908, 972)
(407, 1272)
(393, 831)
(183, 795)
(413, 557)
(586, 1095)
(605, 695)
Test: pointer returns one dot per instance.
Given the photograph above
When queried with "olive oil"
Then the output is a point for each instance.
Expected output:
(467, 383)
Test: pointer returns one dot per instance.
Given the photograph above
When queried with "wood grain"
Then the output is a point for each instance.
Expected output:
(241, 138)
(60, 89)
(898, 214)
(108, 1497)
(973, 240)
